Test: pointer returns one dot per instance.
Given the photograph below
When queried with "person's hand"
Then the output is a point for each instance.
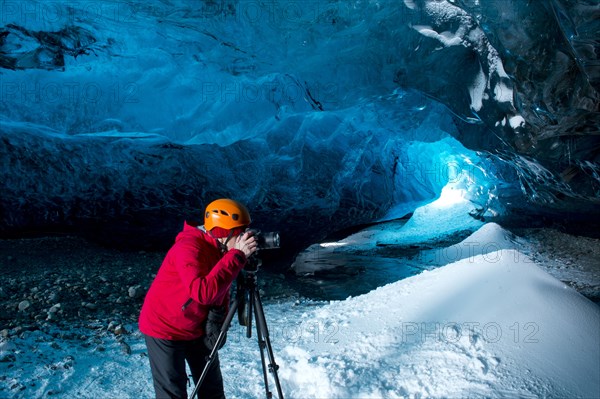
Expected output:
(245, 242)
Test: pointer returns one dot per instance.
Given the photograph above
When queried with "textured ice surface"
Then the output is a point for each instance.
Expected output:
(319, 115)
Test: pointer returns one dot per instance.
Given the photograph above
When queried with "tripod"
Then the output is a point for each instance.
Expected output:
(247, 289)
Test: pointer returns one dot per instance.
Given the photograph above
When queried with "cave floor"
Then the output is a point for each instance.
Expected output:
(96, 285)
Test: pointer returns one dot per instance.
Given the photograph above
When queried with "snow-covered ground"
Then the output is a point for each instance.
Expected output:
(491, 323)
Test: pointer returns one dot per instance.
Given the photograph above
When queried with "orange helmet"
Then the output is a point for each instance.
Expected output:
(226, 214)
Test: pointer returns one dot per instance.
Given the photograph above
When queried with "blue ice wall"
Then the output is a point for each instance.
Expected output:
(128, 116)
(307, 174)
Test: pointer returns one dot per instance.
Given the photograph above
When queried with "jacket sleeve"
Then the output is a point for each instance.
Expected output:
(208, 286)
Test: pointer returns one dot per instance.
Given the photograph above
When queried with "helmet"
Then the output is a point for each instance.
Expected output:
(226, 214)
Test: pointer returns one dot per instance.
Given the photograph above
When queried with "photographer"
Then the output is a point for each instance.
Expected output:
(189, 297)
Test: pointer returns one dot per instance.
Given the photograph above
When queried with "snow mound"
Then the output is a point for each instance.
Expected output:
(492, 324)
(489, 239)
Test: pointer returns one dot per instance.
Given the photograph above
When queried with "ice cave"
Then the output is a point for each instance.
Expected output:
(393, 144)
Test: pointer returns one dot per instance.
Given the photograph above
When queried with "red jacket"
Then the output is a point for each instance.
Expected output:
(193, 277)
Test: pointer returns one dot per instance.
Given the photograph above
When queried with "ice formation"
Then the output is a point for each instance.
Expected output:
(128, 116)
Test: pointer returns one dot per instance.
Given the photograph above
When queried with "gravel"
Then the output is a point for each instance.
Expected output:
(69, 282)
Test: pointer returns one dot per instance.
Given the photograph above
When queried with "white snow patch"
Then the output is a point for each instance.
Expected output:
(477, 90)
(503, 93)
(516, 121)
(410, 4)
(446, 38)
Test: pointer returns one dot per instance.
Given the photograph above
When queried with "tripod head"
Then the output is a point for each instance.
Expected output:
(245, 286)
(254, 263)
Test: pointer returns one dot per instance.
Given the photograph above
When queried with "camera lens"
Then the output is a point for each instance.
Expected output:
(268, 240)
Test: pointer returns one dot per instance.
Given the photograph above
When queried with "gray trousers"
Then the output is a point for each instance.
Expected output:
(167, 362)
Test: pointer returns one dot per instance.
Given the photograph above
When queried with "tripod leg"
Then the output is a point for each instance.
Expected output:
(261, 346)
(264, 342)
(249, 314)
(213, 352)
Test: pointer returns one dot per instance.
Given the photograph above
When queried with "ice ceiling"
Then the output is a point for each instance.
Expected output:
(121, 118)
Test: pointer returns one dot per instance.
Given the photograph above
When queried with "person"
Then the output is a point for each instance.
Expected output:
(190, 291)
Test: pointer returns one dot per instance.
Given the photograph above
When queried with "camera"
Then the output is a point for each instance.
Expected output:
(268, 240)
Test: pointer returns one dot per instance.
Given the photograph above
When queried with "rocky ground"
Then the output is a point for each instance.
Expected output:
(575, 260)
(63, 283)
(66, 281)
(65, 289)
